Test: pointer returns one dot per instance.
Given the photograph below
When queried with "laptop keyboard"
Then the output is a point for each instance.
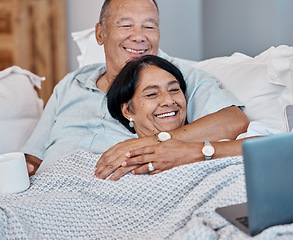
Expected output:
(243, 220)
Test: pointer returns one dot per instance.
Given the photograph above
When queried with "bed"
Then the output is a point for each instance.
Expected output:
(65, 201)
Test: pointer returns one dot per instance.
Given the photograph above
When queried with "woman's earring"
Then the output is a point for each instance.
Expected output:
(131, 122)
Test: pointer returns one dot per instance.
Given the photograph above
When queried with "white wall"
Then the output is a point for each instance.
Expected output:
(181, 28)
(246, 26)
(284, 22)
(81, 15)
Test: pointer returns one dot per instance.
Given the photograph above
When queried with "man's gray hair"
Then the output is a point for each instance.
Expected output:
(105, 8)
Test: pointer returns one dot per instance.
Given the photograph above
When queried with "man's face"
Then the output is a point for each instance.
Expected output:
(131, 30)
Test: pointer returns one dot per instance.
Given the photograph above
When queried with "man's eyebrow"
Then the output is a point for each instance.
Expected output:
(123, 19)
(151, 20)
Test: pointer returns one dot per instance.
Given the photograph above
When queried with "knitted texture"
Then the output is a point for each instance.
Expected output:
(65, 201)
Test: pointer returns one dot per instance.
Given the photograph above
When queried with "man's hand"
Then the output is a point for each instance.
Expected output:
(112, 159)
(32, 164)
(30, 168)
(163, 156)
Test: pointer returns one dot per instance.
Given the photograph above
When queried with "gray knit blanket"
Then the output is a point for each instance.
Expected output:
(65, 201)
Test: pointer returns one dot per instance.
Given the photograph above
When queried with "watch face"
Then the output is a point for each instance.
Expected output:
(208, 150)
(163, 136)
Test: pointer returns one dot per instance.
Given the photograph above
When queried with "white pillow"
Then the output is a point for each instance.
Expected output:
(91, 51)
(263, 83)
(289, 116)
(20, 107)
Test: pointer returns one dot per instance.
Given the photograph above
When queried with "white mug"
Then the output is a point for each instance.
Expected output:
(14, 176)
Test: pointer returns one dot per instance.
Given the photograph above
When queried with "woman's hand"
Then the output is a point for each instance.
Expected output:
(163, 156)
(111, 160)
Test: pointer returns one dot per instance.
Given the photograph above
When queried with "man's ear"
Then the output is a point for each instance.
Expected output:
(100, 33)
(125, 110)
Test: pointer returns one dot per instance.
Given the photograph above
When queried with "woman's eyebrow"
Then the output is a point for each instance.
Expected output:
(173, 82)
(151, 87)
(157, 86)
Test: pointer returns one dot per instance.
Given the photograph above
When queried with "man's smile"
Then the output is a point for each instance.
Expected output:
(135, 51)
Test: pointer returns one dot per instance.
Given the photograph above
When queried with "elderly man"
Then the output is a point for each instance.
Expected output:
(76, 116)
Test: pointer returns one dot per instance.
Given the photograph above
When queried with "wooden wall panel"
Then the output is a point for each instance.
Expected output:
(33, 36)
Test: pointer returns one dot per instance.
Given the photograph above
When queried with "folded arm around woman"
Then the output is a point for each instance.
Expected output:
(184, 147)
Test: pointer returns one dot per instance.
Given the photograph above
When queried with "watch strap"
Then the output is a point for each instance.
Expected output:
(207, 157)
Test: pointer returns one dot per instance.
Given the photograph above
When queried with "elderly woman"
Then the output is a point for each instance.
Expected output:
(147, 97)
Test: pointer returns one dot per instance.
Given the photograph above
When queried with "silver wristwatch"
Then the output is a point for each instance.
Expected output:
(208, 150)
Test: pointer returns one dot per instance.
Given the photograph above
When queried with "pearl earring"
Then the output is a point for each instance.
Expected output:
(131, 122)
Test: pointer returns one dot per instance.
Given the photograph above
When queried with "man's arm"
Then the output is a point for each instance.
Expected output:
(227, 123)
(35, 145)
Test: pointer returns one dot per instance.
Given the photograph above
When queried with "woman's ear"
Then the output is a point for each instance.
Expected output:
(125, 110)
(100, 33)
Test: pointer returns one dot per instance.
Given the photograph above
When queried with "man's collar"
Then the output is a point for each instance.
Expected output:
(89, 75)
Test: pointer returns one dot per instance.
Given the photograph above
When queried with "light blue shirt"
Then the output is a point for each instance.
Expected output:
(76, 115)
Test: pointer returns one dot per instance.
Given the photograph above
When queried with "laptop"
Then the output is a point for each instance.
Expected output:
(268, 164)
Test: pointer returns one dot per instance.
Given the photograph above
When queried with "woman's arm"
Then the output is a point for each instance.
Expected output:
(180, 153)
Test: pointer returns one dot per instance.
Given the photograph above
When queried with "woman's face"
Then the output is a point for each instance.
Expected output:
(158, 103)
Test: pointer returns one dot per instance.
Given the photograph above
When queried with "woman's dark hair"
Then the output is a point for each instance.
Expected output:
(124, 85)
